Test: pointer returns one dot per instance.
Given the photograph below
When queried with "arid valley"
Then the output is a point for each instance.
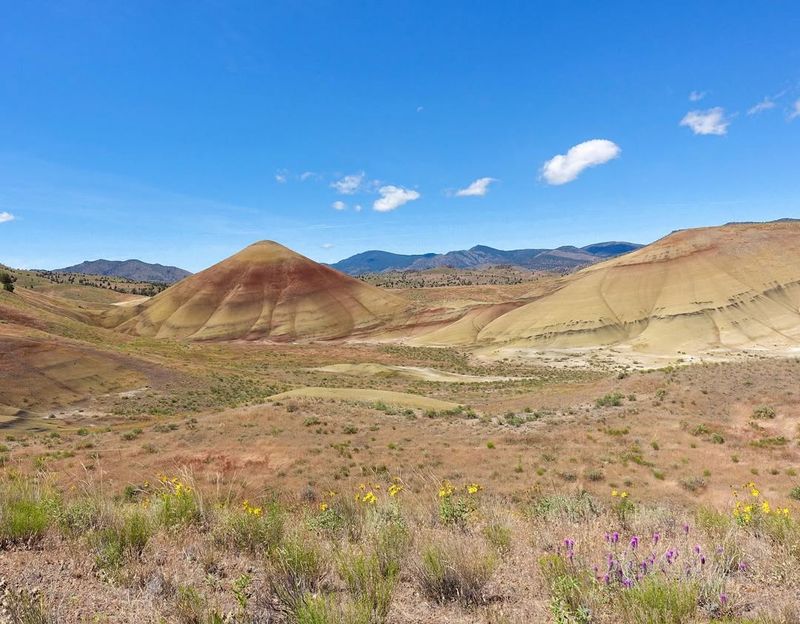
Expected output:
(271, 380)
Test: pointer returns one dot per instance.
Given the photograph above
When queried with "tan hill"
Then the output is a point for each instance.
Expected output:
(265, 291)
(734, 286)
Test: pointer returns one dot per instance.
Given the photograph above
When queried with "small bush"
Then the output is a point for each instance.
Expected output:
(499, 536)
(26, 607)
(658, 600)
(693, 484)
(25, 518)
(612, 399)
(764, 412)
(254, 529)
(454, 571)
(297, 568)
(124, 541)
(368, 584)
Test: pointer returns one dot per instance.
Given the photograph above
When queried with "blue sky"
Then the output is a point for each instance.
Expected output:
(179, 132)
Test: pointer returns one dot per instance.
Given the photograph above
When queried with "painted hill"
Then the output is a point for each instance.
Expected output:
(265, 291)
(734, 286)
(562, 258)
(131, 269)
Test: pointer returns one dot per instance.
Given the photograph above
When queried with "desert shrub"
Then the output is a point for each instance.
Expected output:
(659, 600)
(25, 607)
(499, 536)
(123, 541)
(570, 591)
(191, 607)
(368, 584)
(612, 399)
(296, 569)
(574, 508)
(7, 280)
(390, 542)
(176, 503)
(595, 475)
(80, 516)
(770, 442)
(763, 412)
(254, 529)
(795, 492)
(454, 570)
(693, 484)
(26, 511)
(325, 609)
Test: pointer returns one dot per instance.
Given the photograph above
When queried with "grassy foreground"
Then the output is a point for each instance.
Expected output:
(390, 551)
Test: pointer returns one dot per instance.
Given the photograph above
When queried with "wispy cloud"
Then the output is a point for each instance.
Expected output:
(327, 245)
(764, 105)
(281, 176)
(478, 188)
(338, 205)
(564, 168)
(392, 197)
(696, 96)
(308, 175)
(349, 184)
(5, 217)
(711, 121)
(795, 110)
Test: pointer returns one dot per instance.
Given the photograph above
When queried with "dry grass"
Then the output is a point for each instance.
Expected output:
(389, 552)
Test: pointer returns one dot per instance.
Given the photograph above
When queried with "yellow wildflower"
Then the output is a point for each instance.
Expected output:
(323, 506)
(473, 488)
(765, 507)
(614, 493)
(623, 495)
(446, 490)
(395, 489)
(369, 498)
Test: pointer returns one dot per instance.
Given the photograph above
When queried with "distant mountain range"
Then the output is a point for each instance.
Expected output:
(131, 269)
(562, 258)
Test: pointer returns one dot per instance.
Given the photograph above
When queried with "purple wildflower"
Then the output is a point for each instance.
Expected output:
(634, 542)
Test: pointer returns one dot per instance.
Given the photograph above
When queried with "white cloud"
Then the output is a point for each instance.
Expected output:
(765, 104)
(280, 177)
(327, 245)
(393, 197)
(711, 121)
(338, 205)
(357, 207)
(478, 188)
(349, 184)
(5, 217)
(308, 175)
(795, 112)
(420, 109)
(696, 96)
(564, 168)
